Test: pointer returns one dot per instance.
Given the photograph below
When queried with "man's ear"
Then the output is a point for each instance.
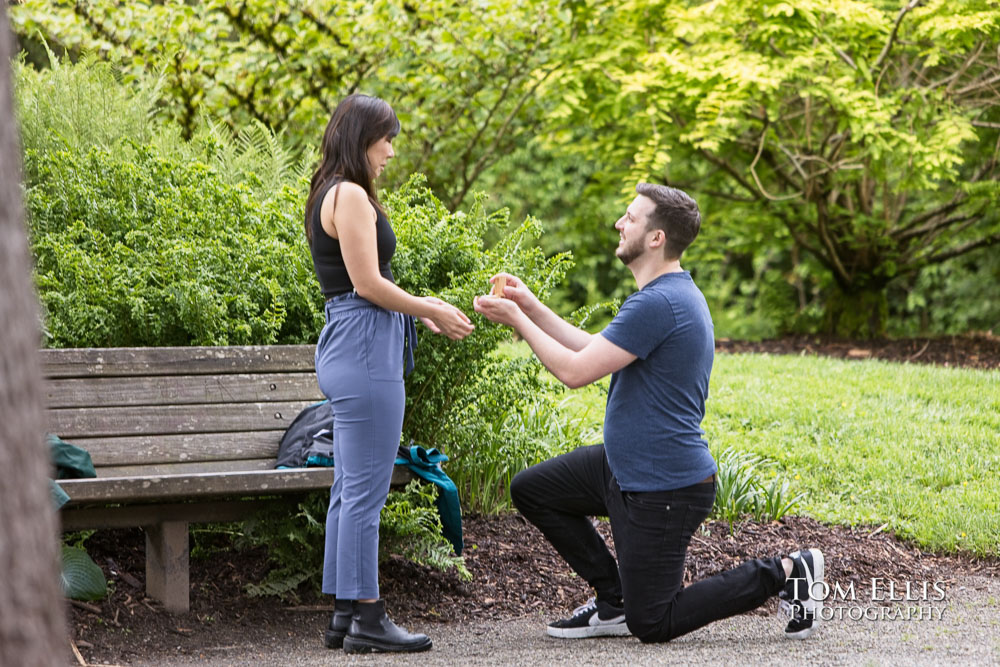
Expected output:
(659, 239)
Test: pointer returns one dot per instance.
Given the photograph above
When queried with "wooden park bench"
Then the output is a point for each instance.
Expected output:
(180, 435)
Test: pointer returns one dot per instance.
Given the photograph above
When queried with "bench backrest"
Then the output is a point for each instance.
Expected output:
(154, 411)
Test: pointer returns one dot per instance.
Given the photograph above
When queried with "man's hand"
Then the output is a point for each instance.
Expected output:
(516, 291)
(495, 309)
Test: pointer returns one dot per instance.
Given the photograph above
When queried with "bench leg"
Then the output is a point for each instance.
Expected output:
(167, 572)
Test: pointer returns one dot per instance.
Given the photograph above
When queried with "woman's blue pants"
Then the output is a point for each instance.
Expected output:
(359, 364)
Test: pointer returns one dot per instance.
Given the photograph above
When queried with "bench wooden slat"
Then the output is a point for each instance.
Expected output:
(132, 516)
(181, 390)
(161, 420)
(146, 470)
(154, 449)
(195, 486)
(142, 361)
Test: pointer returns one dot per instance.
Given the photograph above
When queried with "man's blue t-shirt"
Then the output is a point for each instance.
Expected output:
(652, 426)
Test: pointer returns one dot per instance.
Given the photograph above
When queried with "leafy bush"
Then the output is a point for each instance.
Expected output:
(78, 106)
(143, 238)
(74, 107)
(410, 526)
(955, 297)
(133, 248)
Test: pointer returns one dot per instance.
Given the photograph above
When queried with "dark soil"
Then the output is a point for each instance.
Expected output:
(972, 351)
(515, 571)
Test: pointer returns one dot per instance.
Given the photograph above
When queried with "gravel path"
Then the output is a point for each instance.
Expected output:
(965, 629)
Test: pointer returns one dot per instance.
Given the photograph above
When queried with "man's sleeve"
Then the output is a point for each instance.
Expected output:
(642, 323)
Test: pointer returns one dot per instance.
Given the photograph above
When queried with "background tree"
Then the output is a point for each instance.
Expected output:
(462, 77)
(32, 627)
(844, 153)
(862, 134)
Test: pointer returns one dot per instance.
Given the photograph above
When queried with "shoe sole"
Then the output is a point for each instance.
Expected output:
(589, 631)
(361, 645)
(817, 605)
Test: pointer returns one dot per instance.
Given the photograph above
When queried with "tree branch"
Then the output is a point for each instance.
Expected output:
(728, 168)
(801, 240)
(957, 74)
(923, 217)
(316, 21)
(892, 36)
(691, 187)
(753, 171)
(81, 10)
(954, 252)
(837, 265)
(972, 87)
(480, 165)
(935, 226)
(786, 178)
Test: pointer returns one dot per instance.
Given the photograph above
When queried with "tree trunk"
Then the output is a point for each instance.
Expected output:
(32, 622)
(861, 313)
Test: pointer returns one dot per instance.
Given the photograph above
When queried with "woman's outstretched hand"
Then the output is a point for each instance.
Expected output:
(447, 320)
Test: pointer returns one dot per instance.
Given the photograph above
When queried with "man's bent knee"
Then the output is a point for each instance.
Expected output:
(520, 490)
(646, 631)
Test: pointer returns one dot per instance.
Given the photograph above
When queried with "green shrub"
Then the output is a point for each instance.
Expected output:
(142, 238)
(132, 248)
(77, 106)
(410, 526)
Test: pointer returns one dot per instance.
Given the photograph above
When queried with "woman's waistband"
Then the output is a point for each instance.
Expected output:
(337, 306)
(342, 296)
(348, 301)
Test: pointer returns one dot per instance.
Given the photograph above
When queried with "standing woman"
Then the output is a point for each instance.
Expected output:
(360, 357)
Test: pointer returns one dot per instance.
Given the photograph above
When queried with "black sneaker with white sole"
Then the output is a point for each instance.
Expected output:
(596, 618)
(801, 600)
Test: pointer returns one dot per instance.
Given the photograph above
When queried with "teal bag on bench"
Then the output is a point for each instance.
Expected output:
(70, 462)
(426, 464)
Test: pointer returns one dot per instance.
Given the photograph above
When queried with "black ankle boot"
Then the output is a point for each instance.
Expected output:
(371, 630)
(343, 610)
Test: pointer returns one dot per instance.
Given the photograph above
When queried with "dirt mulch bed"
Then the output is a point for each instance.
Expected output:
(515, 573)
(973, 351)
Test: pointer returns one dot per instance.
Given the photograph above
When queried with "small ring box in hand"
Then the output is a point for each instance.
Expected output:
(498, 286)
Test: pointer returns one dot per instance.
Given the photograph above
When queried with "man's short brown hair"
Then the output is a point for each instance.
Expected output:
(676, 213)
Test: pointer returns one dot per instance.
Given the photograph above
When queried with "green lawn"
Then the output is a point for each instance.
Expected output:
(870, 442)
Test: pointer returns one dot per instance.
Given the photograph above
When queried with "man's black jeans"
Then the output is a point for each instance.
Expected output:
(651, 532)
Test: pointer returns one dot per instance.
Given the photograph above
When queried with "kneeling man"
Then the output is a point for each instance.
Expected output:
(654, 476)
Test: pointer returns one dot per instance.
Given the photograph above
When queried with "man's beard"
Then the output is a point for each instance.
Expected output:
(628, 252)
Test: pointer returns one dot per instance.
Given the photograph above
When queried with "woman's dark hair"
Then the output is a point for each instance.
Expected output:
(357, 123)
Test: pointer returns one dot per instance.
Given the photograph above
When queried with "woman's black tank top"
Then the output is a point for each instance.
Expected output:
(328, 259)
